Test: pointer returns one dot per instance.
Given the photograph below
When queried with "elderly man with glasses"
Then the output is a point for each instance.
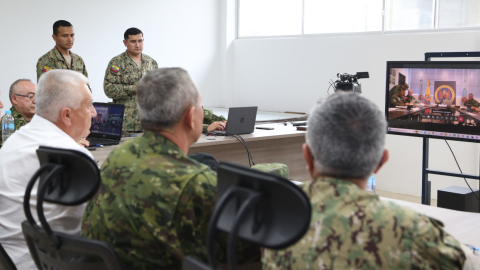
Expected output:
(22, 96)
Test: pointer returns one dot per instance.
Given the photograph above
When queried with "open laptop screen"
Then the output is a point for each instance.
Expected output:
(109, 119)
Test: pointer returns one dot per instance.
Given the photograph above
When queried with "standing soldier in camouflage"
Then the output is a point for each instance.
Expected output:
(155, 202)
(410, 98)
(351, 228)
(472, 102)
(60, 57)
(122, 75)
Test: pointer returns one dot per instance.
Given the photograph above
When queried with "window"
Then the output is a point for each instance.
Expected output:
(342, 16)
(458, 13)
(263, 18)
(269, 18)
(410, 14)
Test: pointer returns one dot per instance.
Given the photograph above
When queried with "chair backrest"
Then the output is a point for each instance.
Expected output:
(67, 177)
(262, 208)
(5, 262)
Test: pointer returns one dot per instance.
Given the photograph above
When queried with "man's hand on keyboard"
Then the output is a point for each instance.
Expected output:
(83, 142)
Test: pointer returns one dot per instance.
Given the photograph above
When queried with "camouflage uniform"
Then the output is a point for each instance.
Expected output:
(396, 89)
(472, 102)
(397, 100)
(352, 229)
(412, 100)
(19, 119)
(19, 122)
(273, 168)
(55, 60)
(209, 118)
(153, 205)
(121, 78)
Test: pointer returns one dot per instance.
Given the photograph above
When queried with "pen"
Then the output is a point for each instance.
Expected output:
(99, 145)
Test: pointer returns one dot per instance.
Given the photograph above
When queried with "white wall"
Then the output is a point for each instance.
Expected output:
(292, 74)
(182, 33)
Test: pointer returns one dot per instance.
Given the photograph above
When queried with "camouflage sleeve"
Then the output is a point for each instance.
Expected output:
(117, 85)
(394, 100)
(155, 65)
(476, 104)
(216, 118)
(434, 248)
(41, 63)
(85, 72)
(205, 128)
(194, 208)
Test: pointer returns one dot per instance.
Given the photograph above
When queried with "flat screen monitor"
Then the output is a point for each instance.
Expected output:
(434, 99)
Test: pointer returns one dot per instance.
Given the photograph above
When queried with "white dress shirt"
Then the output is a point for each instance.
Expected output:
(18, 163)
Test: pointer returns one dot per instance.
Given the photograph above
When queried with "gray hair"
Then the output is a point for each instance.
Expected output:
(14, 86)
(346, 136)
(58, 89)
(163, 95)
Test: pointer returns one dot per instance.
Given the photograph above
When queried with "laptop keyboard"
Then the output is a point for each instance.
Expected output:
(95, 141)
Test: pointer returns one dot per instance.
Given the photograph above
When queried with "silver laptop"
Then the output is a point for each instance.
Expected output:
(447, 102)
(241, 120)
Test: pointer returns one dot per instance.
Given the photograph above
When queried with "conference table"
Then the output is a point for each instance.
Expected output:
(283, 144)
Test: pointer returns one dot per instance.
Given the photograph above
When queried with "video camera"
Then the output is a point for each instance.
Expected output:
(348, 82)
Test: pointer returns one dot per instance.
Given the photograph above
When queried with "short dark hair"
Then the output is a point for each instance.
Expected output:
(132, 32)
(59, 23)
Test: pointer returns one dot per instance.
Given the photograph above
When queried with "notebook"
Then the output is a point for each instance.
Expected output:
(106, 128)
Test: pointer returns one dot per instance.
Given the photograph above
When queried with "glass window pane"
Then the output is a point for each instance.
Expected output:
(342, 16)
(269, 18)
(458, 13)
(409, 14)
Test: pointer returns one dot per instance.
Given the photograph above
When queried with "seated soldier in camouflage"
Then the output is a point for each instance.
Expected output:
(350, 227)
(399, 99)
(472, 102)
(155, 202)
(213, 122)
(22, 97)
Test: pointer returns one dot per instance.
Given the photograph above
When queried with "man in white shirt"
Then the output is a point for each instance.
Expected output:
(63, 116)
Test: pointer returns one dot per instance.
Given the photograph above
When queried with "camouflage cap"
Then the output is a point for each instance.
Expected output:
(406, 86)
(273, 168)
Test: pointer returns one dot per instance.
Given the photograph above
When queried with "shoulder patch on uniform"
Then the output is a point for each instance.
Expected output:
(45, 69)
(114, 68)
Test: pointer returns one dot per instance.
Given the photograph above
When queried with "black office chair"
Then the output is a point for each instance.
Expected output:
(5, 262)
(67, 177)
(261, 208)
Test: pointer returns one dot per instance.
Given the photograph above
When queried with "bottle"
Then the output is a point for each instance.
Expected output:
(371, 184)
(8, 126)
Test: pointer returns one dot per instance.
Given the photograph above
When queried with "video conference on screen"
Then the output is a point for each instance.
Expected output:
(107, 121)
(437, 101)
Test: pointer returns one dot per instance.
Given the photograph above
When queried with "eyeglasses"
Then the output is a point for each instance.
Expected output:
(30, 96)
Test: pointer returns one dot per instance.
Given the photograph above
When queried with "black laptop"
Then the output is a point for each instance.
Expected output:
(106, 127)
(241, 120)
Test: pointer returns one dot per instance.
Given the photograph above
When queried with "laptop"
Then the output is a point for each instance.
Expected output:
(106, 128)
(241, 120)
